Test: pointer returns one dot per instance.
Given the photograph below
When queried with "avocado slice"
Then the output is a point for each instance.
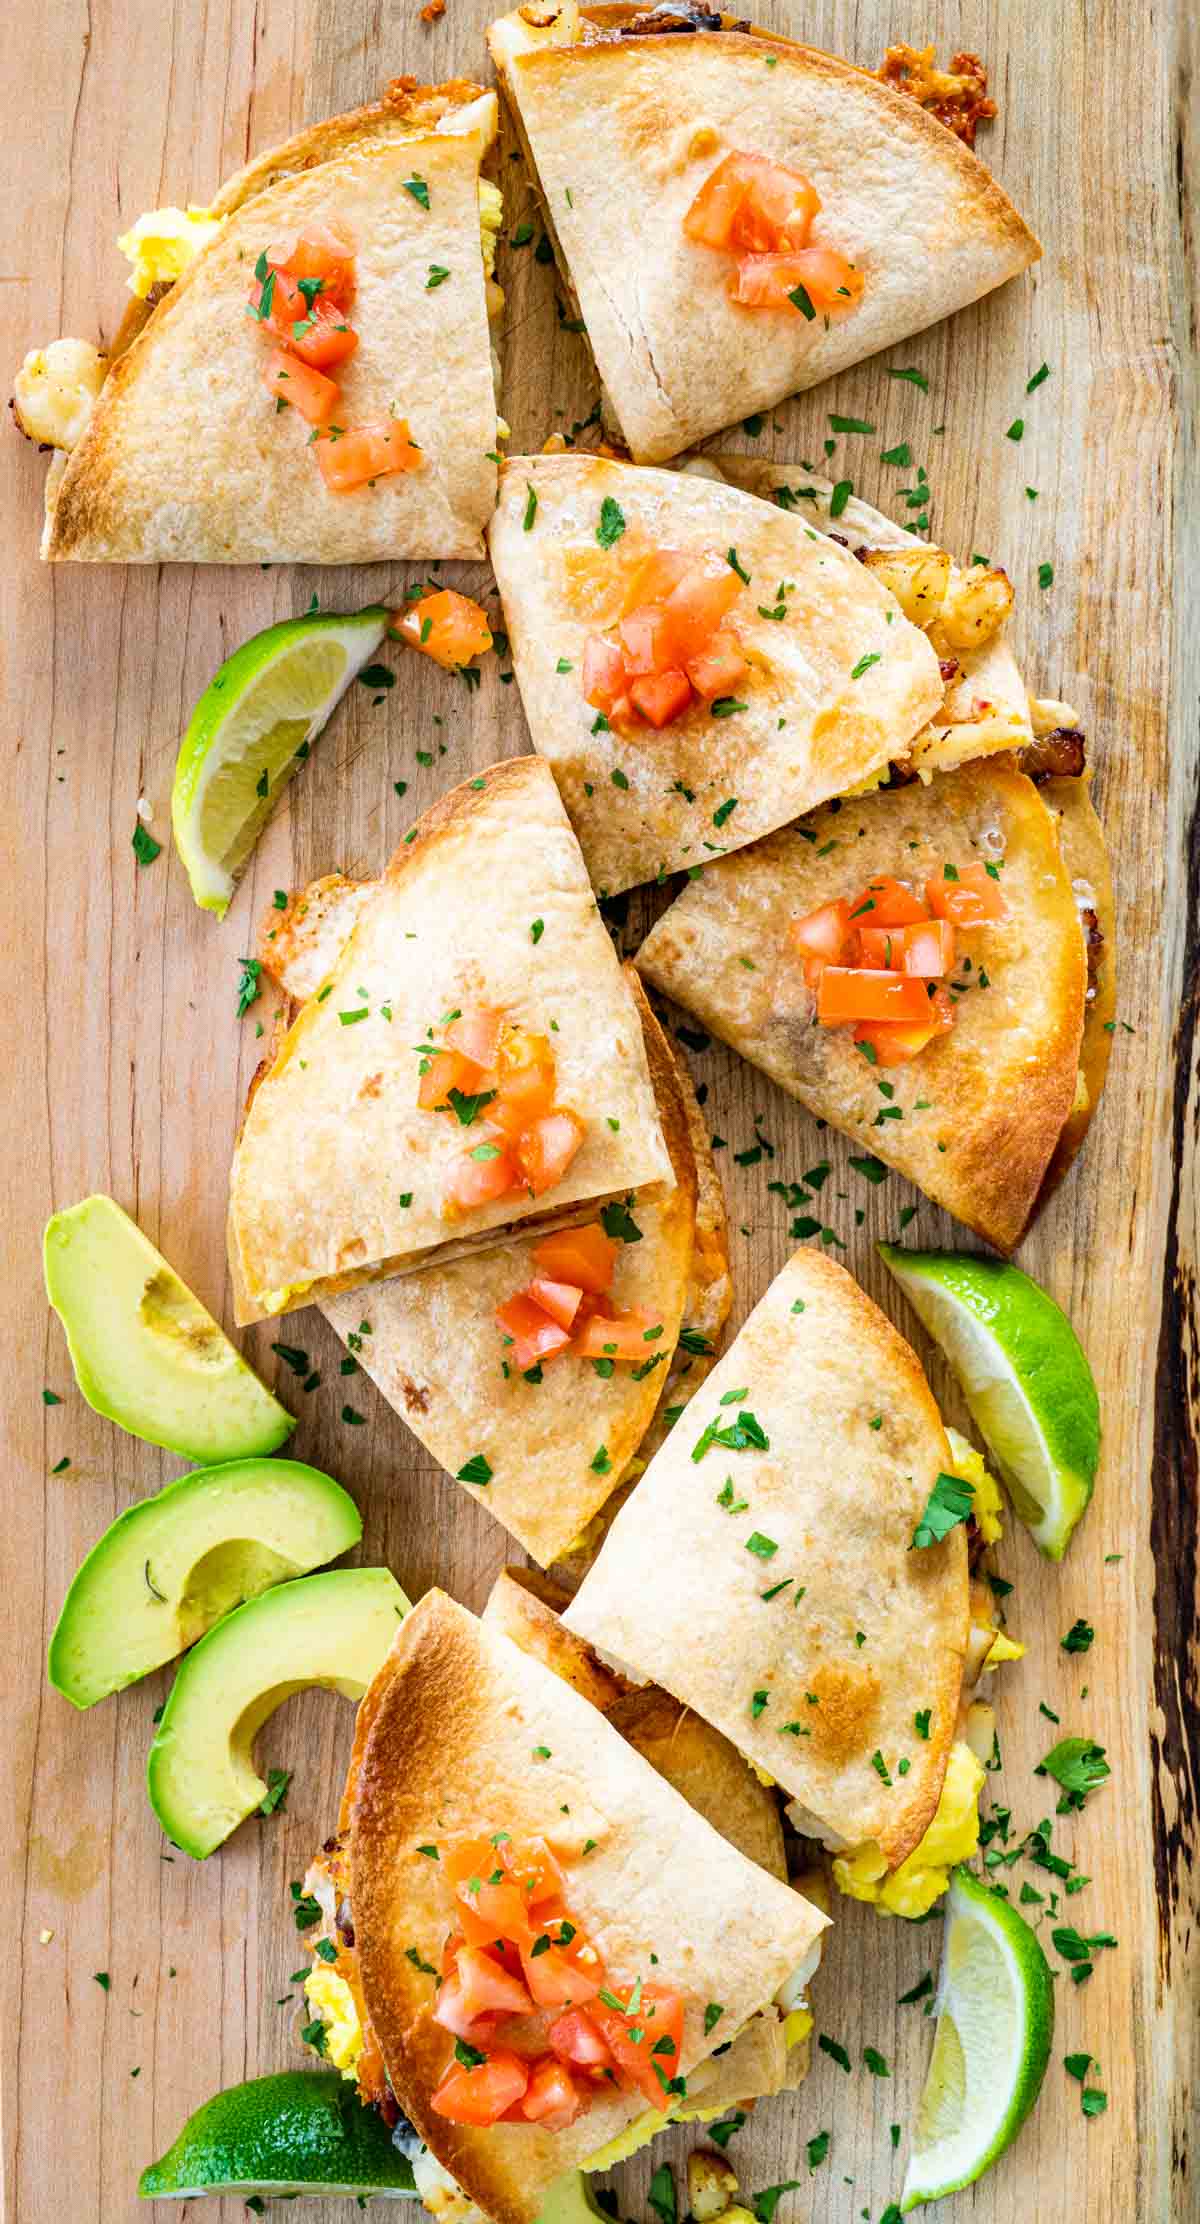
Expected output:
(146, 1353)
(569, 2201)
(169, 1568)
(334, 1630)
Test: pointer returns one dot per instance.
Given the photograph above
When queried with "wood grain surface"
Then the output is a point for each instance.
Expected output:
(125, 1068)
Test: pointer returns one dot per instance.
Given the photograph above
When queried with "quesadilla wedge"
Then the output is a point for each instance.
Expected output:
(473, 1062)
(926, 937)
(735, 216)
(315, 385)
(698, 666)
(790, 1607)
(518, 1905)
(437, 1348)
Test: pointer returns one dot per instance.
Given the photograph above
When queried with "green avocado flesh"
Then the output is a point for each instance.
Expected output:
(303, 2131)
(146, 1353)
(569, 2201)
(171, 1567)
(334, 1630)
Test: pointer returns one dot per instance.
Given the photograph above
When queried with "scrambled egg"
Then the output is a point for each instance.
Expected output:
(988, 1507)
(55, 390)
(952, 1836)
(491, 217)
(162, 244)
(642, 2130)
(331, 1998)
(796, 2027)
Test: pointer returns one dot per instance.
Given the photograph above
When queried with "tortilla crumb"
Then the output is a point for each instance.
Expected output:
(957, 97)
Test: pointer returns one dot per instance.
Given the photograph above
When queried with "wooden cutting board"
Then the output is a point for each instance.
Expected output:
(125, 1069)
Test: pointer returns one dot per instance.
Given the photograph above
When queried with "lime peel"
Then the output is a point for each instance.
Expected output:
(251, 728)
(301, 2131)
(995, 2029)
(1024, 1375)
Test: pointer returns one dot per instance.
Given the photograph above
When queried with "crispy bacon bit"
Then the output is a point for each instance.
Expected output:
(1093, 942)
(432, 10)
(1056, 756)
(948, 669)
(958, 97)
(658, 21)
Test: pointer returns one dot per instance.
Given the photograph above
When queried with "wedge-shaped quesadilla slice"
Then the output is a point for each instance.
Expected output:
(911, 966)
(535, 1423)
(790, 1607)
(697, 665)
(594, 1935)
(316, 386)
(473, 1061)
(737, 217)
(963, 612)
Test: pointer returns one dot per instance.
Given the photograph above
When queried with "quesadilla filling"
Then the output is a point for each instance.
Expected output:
(760, 214)
(880, 962)
(302, 295)
(567, 1308)
(671, 646)
(490, 1075)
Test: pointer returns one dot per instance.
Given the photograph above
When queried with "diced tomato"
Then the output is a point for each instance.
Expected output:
(822, 933)
(552, 2098)
(475, 1034)
(891, 904)
(445, 1070)
(561, 1300)
(850, 992)
(533, 1334)
(308, 391)
(480, 1986)
(879, 948)
(536, 1873)
(525, 1081)
(623, 1338)
(322, 251)
(650, 2061)
(697, 607)
(661, 696)
(483, 2094)
(929, 948)
(545, 1149)
(604, 676)
(478, 1180)
(896, 1044)
(770, 281)
(286, 305)
(777, 210)
(554, 1980)
(320, 335)
(969, 899)
(353, 458)
(720, 668)
(448, 626)
(575, 2039)
(711, 217)
(585, 1256)
(653, 578)
(644, 641)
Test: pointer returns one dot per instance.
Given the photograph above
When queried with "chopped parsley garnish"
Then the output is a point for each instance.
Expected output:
(426, 1967)
(920, 1991)
(305, 1910)
(840, 496)
(817, 2149)
(742, 1434)
(921, 1722)
(880, 1767)
(537, 929)
(275, 1797)
(619, 1224)
(725, 810)
(712, 2016)
(468, 2055)
(531, 502)
(1038, 379)
(476, 1471)
(612, 522)
(764, 1548)
(758, 1703)
(766, 2202)
(1079, 1637)
(248, 989)
(875, 2062)
(1078, 1765)
(721, 2133)
(724, 706)
(661, 2195)
(914, 378)
(145, 848)
(864, 665)
(1045, 575)
(419, 190)
(835, 2052)
(1016, 430)
(601, 1461)
(438, 275)
(799, 298)
(731, 558)
(950, 1502)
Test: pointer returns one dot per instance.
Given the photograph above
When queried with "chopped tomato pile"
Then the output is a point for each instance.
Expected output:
(499, 1080)
(537, 2029)
(302, 295)
(567, 1307)
(761, 213)
(878, 963)
(671, 643)
(448, 626)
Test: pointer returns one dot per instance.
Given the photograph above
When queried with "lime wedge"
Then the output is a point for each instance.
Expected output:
(995, 2026)
(304, 2131)
(1024, 1376)
(253, 725)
